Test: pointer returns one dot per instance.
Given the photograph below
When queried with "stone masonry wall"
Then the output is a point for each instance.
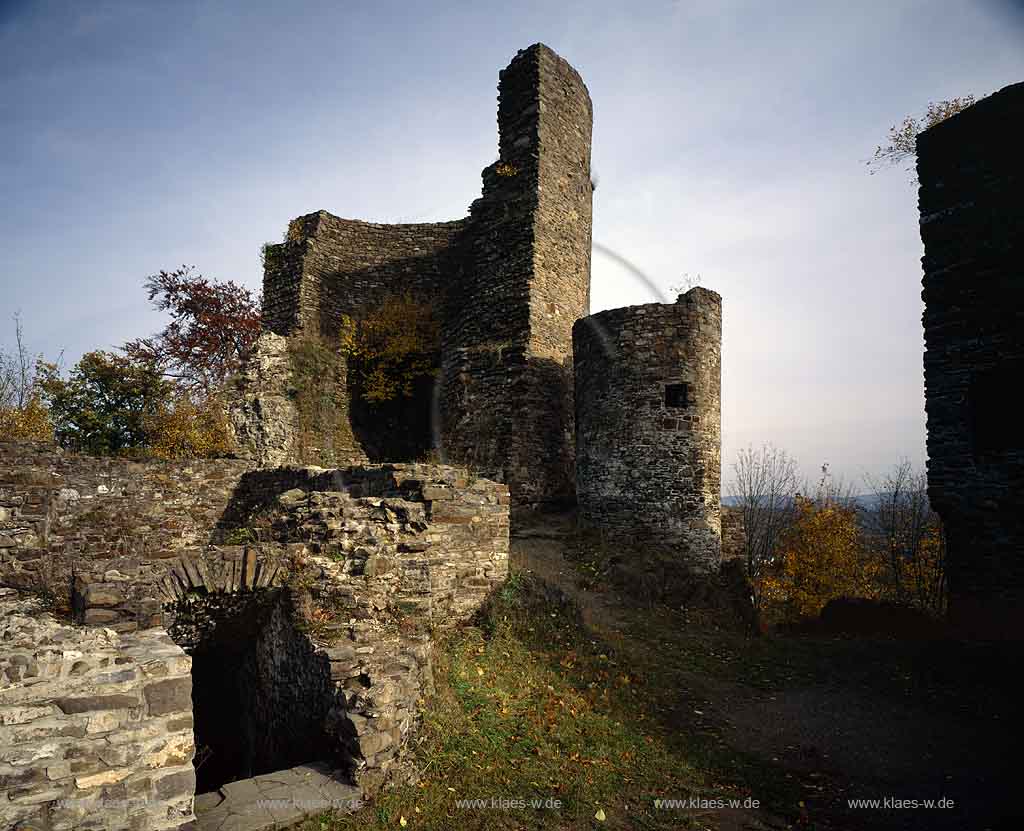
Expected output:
(648, 424)
(380, 558)
(971, 174)
(331, 266)
(95, 727)
(507, 372)
(373, 560)
(328, 268)
(102, 531)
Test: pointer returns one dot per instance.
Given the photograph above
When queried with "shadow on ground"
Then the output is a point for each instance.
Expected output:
(811, 723)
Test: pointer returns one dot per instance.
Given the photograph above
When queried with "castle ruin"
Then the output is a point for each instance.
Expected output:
(648, 416)
(262, 627)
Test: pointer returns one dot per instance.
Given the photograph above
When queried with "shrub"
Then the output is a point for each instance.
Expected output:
(390, 348)
(187, 429)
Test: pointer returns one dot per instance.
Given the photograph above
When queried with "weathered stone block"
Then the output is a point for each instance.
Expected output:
(169, 696)
(89, 703)
(182, 783)
(107, 777)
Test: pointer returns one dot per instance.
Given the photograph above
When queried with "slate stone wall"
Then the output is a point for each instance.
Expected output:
(331, 266)
(971, 174)
(103, 531)
(648, 424)
(508, 281)
(95, 727)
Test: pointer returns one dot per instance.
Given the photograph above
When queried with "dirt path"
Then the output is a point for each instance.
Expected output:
(838, 740)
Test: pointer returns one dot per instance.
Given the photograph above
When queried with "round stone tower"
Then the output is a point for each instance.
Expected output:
(648, 385)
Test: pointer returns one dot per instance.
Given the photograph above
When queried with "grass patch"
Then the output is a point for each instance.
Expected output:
(529, 707)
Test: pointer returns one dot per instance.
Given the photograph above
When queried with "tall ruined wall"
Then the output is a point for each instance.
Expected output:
(971, 173)
(330, 267)
(298, 402)
(507, 282)
(507, 372)
(648, 424)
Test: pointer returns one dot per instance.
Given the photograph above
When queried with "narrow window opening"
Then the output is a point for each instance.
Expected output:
(677, 395)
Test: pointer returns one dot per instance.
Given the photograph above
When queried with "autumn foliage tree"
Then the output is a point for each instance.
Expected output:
(23, 414)
(765, 482)
(213, 328)
(907, 535)
(102, 405)
(820, 558)
(184, 428)
(162, 396)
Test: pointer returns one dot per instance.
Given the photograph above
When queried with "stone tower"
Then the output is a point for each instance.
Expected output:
(506, 283)
(648, 424)
(971, 171)
(507, 372)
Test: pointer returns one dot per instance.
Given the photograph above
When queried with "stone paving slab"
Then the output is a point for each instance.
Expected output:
(277, 800)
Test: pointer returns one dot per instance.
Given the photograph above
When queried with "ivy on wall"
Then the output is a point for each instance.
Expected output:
(318, 390)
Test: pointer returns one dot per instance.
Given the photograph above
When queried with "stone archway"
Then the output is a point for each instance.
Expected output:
(226, 569)
(262, 692)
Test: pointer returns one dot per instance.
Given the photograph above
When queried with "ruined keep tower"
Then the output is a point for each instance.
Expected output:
(505, 284)
(971, 171)
(506, 408)
(648, 424)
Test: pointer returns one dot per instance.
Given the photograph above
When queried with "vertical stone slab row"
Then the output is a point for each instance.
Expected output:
(971, 172)
(506, 404)
(648, 424)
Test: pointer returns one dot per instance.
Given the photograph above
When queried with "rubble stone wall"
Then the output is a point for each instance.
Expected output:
(508, 282)
(331, 266)
(506, 404)
(102, 531)
(971, 173)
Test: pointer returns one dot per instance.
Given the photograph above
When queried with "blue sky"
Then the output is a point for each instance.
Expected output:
(729, 140)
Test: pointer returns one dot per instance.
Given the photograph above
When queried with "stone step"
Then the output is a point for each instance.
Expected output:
(276, 800)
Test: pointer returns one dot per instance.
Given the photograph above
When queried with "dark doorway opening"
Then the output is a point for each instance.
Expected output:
(261, 694)
(399, 430)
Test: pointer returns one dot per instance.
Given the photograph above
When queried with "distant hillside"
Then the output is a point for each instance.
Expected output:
(866, 501)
